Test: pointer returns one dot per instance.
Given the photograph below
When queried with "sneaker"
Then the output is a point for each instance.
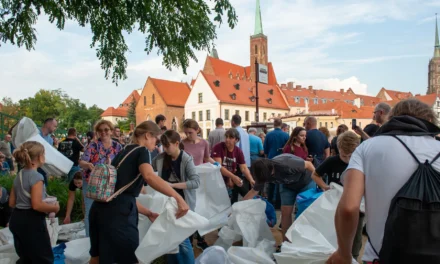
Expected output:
(201, 244)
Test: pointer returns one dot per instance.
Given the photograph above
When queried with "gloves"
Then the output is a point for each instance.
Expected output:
(217, 164)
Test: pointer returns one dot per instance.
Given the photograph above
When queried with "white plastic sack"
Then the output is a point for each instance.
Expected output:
(56, 163)
(6, 237)
(53, 228)
(247, 255)
(167, 232)
(77, 251)
(155, 202)
(72, 231)
(212, 201)
(213, 255)
(227, 237)
(8, 258)
(313, 234)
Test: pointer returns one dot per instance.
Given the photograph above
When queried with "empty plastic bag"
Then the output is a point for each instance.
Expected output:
(53, 228)
(247, 255)
(77, 251)
(155, 202)
(167, 232)
(8, 258)
(212, 200)
(213, 255)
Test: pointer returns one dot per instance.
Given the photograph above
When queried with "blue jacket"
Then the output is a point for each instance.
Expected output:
(274, 142)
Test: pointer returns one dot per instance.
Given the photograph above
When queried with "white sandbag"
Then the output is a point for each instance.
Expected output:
(6, 237)
(56, 163)
(155, 202)
(77, 251)
(53, 228)
(72, 231)
(247, 255)
(313, 234)
(8, 258)
(212, 201)
(227, 237)
(167, 232)
(213, 255)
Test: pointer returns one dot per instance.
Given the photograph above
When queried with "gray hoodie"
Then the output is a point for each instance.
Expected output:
(188, 174)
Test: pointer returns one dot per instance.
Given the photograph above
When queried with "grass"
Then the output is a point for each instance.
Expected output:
(58, 188)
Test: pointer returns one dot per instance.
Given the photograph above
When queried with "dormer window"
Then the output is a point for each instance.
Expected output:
(269, 100)
(324, 101)
(237, 86)
(315, 100)
(296, 99)
(252, 98)
(271, 91)
(233, 96)
(217, 83)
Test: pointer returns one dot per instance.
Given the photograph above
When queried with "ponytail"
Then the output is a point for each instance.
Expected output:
(28, 152)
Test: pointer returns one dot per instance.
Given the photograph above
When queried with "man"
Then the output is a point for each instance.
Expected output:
(49, 126)
(380, 116)
(117, 134)
(378, 169)
(243, 144)
(333, 167)
(71, 147)
(5, 148)
(285, 128)
(218, 135)
(316, 142)
(160, 120)
(255, 144)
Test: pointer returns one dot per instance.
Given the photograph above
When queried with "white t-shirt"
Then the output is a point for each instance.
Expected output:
(387, 166)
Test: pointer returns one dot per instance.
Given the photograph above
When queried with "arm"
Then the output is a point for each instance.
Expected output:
(37, 200)
(12, 198)
(309, 166)
(250, 194)
(227, 173)
(361, 133)
(162, 186)
(260, 148)
(70, 202)
(318, 179)
(193, 181)
(244, 169)
(145, 211)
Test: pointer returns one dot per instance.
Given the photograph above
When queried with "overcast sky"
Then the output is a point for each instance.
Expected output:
(364, 45)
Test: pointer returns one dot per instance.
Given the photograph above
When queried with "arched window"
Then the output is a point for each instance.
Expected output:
(153, 99)
(174, 124)
(145, 100)
(256, 49)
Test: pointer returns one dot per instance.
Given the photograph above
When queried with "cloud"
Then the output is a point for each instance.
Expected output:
(335, 84)
(426, 20)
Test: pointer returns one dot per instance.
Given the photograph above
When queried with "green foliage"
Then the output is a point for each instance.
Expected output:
(58, 188)
(124, 125)
(175, 28)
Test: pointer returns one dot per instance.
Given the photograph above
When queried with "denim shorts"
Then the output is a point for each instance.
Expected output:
(288, 196)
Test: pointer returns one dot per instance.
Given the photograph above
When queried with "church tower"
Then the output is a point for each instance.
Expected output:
(258, 43)
(434, 65)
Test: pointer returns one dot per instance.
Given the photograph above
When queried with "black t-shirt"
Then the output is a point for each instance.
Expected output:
(129, 169)
(334, 145)
(173, 174)
(72, 186)
(333, 167)
(71, 148)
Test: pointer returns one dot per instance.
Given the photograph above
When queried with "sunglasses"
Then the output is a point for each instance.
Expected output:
(106, 130)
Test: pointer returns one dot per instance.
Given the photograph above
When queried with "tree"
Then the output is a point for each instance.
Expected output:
(176, 28)
(45, 104)
(132, 111)
(124, 125)
(9, 107)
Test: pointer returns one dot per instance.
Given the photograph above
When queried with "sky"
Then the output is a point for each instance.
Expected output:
(365, 45)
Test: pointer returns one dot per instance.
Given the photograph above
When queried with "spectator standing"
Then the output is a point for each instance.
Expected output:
(117, 135)
(333, 145)
(71, 147)
(316, 142)
(255, 145)
(381, 112)
(6, 149)
(285, 128)
(218, 135)
(262, 135)
(160, 122)
(243, 144)
(4, 166)
(49, 127)
(195, 146)
(296, 144)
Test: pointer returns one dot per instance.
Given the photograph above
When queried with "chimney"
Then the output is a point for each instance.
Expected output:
(283, 86)
(333, 111)
(290, 85)
(357, 102)
(310, 88)
(342, 90)
(298, 87)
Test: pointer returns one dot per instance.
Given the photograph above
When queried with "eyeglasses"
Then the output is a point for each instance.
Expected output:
(106, 130)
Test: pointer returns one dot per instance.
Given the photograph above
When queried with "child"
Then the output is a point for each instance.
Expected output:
(4, 166)
(75, 183)
(28, 220)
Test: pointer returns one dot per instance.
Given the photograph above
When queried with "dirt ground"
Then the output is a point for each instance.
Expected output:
(212, 237)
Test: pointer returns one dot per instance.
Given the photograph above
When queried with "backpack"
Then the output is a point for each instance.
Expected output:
(412, 229)
(102, 181)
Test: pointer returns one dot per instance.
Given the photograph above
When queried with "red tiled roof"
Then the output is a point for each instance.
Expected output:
(428, 99)
(397, 95)
(134, 95)
(343, 109)
(193, 81)
(111, 111)
(246, 89)
(173, 93)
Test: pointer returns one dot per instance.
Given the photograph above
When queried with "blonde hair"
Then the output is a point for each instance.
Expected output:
(348, 142)
(103, 122)
(143, 128)
(28, 152)
(415, 108)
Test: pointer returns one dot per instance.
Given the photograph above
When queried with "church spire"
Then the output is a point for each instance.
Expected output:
(437, 44)
(258, 22)
(214, 52)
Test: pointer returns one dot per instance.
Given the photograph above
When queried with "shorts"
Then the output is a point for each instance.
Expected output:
(288, 196)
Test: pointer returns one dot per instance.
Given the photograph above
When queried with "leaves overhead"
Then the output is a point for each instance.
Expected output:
(176, 28)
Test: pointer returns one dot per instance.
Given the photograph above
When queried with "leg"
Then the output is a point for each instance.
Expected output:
(288, 199)
(11, 164)
(357, 242)
(186, 253)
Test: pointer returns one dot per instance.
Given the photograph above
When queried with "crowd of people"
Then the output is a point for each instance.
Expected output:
(275, 165)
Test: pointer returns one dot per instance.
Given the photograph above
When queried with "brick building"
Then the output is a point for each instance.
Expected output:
(162, 97)
(120, 113)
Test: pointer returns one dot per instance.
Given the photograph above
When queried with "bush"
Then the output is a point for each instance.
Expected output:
(60, 189)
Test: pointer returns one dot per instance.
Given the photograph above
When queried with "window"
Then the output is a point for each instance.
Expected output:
(256, 49)
(193, 115)
(246, 116)
(237, 112)
(438, 103)
(325, 124)
(298, 110)
(207, 132)
(360, 124)
(315, 101)
(296, 99)
(145, 100)
(320, 124)
(208, 115)
(306, 100)
(200, 98)
(153, 99)
(200, 115)
(331, 124)
(226, 114)
(264, 116)
(324, 101)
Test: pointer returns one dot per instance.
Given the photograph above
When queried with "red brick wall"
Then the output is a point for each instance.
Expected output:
(261, 55)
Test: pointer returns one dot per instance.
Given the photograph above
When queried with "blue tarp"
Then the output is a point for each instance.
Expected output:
(58, 253)
(271, 216)
(305, 199)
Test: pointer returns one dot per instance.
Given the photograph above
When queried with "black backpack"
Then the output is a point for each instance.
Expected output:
(412, 229)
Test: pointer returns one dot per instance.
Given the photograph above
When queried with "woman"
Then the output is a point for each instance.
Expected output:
(333, 145)
(195, 146)
(262, 136)
(177, 168)
(325, 131)
(114, 235)
(100, 151)
(296, 144)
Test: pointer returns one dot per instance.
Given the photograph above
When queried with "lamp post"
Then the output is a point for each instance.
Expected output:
(257, 114)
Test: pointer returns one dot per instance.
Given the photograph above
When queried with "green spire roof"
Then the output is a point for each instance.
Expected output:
(258, 21)
(437, 44)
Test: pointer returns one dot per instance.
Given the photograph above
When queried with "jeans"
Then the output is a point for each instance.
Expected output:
(185, 255)
(288, 196)
(87, 204)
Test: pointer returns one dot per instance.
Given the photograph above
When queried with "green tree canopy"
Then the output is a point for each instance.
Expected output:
(176, 28)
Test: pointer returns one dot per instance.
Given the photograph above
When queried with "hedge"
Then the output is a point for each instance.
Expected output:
(60, 189)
